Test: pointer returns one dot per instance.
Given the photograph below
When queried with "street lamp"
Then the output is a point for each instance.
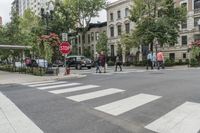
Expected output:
(47, 14)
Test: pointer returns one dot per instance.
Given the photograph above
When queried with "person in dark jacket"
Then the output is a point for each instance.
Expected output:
(97, 63)
(102, 59)
(118, 63)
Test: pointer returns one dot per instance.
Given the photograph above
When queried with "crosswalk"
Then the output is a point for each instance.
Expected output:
(183, 119)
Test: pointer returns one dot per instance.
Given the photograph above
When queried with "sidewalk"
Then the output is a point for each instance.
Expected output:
(9, 78)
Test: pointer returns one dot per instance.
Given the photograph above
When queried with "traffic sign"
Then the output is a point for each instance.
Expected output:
(65, 48)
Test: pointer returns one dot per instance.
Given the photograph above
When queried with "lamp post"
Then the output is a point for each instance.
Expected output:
(46, 16)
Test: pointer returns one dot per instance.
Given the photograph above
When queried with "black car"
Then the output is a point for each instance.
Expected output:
(79, 62)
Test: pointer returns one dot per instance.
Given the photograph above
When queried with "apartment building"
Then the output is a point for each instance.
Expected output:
(35, 5)
(118, 23)
(1, 21)
(80, 42)
(189, 30)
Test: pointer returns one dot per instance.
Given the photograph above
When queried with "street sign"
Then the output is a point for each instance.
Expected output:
(65, 48)
(64, 37)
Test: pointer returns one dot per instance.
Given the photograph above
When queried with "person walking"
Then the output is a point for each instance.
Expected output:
(160, 59)
(154, 60)
(102, 59)
(97, 63)
(118, 63)
(149, 60)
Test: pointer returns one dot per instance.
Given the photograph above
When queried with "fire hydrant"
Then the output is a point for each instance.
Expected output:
(67, 71)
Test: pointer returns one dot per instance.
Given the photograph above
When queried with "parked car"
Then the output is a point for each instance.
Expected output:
(42, 63)
(58, 63)
(79, 62)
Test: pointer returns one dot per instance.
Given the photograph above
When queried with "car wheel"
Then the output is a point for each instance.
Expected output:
(79, 67)
(89, 67)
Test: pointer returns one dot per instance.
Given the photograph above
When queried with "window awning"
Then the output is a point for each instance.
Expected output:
(14, 47)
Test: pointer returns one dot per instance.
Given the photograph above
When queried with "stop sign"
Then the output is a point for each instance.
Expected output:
(65, 47)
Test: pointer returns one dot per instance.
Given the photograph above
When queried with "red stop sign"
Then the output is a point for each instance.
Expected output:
(65, 47)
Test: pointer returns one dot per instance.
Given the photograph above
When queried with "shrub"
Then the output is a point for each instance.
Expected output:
(111, 63)
(194, 62)
(169, 62)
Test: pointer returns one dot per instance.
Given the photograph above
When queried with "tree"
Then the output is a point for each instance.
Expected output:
(156, 19)
(102, 43)
(84, 10)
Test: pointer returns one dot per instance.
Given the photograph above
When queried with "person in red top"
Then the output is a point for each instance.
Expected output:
(160, 59)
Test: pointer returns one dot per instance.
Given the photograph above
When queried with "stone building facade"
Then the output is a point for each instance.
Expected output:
(89, 40)
(118, 23)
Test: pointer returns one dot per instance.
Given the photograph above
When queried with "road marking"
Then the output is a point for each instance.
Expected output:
(45, 84)
(31, 83)
(58, 86)
(15, 118)
(96, 94)
(74, 89)
(119, 107)
(183, 119)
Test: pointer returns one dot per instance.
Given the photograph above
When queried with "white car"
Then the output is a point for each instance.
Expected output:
(42, 63)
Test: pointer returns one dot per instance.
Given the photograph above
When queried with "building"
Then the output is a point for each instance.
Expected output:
(118, 23)
(15, 6)
(88, 41)
(189, 30)
(35, 5)
(1, 21)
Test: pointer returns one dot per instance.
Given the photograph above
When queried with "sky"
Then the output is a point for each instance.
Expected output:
(5, 8)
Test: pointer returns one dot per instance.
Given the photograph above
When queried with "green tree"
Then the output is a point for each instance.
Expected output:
(102, 43)
(156, 19)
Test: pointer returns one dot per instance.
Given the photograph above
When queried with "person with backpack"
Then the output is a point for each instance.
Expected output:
(118, 63)
(102, 58)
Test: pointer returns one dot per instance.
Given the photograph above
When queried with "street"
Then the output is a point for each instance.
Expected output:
(132, 102)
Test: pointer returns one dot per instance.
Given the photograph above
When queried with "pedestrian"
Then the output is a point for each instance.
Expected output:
(149, 60)
(97, 63)
(160, 59)
(102, 59)
(118, 63)
(154, 61)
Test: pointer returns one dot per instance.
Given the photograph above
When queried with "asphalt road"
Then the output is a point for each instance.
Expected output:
(127, 103)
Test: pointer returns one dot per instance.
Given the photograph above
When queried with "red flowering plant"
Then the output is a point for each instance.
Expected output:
(196, 43)
(52, 39)
(46, 45)
(195, 49)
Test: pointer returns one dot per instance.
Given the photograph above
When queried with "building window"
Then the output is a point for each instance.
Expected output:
(196, 21)
(184, 24)
(184, 40)
(184, 55)
(119, 30)
(97, 36)
(83, 39)
(126, 12)
(184, 5)
(196, 4)
(172, 56)
(118, 14)
(111, 17)
(112, 48)
(92, 36)
(127, 27)
(88, 38)
(111, 31)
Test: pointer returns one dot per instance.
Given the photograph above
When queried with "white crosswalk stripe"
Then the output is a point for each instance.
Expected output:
(183, 119)
(119, 107)
(96, 94)
(46, 84)
(40, 82)
(58, 86)
(79, 88)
